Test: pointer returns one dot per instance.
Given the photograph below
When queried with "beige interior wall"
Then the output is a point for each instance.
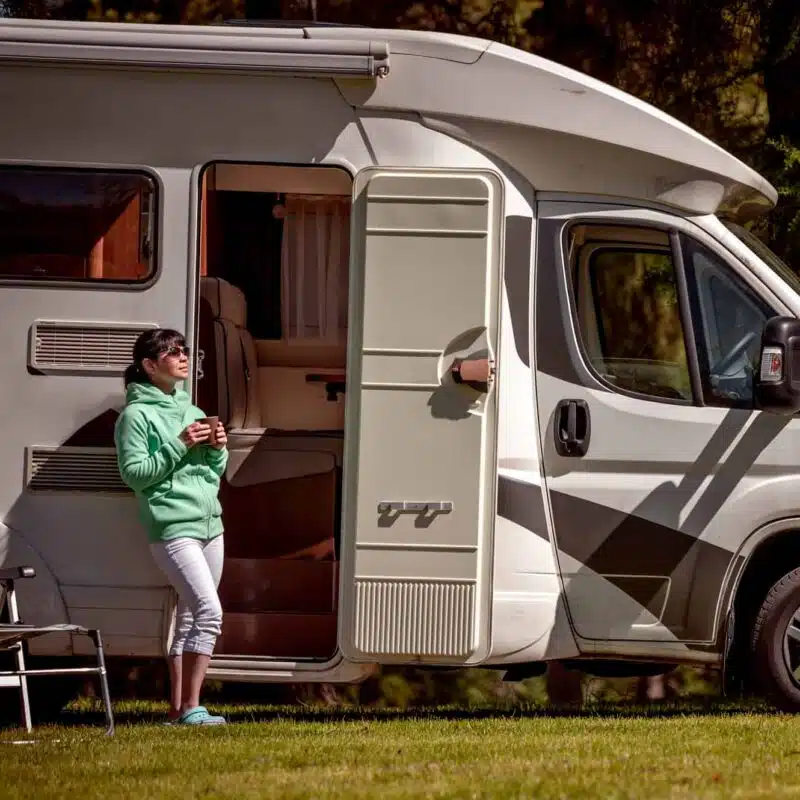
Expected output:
(289, 403)
(286, 180)
(300, 353)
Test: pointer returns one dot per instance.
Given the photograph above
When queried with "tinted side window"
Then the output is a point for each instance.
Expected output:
(728, 327)
(82, 225)
(630, 317)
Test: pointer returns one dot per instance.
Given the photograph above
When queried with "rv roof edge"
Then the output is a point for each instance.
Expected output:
(286, 23)
(200, 37)
(429, 69)
(230, 31)
(330, 57)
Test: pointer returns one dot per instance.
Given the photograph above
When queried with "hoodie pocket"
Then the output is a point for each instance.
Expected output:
(160, 490)
(210, 488)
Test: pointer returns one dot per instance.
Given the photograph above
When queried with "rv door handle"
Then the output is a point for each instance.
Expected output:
(477, 372)
(572, 428)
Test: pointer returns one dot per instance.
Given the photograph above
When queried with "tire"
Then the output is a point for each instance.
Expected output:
(769, 646)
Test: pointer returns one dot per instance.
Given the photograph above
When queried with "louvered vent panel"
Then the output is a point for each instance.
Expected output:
(425, 618)
(74, 469)
(83, 346)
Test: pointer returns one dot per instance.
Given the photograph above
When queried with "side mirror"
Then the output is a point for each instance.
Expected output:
(778, 383)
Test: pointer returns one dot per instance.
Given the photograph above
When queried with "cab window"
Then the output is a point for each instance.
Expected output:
(633, 325)
(728, 321)
(629, 314)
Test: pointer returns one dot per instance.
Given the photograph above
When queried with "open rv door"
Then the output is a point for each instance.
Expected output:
(420, 461)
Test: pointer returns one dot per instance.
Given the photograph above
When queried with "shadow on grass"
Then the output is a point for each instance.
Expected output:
(127, 715)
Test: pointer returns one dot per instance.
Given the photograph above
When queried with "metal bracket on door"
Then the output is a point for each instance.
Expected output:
(390, 511)
(201, 354)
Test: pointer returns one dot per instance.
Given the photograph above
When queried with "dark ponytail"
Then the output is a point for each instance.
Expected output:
(150, 344)
(135, 374)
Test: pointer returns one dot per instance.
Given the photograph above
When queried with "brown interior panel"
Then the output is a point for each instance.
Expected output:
(282, 519)
(279, 458)
(278, 584)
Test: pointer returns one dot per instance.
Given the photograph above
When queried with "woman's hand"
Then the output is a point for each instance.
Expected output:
(196, 433)
(220, 437)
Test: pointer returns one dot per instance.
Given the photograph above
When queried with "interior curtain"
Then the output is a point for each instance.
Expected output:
(315, 257)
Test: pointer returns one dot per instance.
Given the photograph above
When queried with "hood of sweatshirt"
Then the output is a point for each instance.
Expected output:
(150, 395)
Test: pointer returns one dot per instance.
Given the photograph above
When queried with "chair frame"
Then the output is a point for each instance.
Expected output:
(14, 634)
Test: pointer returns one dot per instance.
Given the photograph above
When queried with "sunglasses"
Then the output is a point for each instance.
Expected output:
(176, 351)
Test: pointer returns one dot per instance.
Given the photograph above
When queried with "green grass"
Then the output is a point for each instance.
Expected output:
(675, 752)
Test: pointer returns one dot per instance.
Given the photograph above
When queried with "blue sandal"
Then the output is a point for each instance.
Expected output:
(199, 716)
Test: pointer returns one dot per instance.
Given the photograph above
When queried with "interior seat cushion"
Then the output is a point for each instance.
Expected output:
(236, 362)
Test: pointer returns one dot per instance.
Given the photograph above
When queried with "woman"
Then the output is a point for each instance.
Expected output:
(166, 455)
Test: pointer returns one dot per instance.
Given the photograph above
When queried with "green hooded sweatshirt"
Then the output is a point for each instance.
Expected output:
(176, 486)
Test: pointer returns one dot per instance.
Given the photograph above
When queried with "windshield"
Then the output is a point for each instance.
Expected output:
(775, 263)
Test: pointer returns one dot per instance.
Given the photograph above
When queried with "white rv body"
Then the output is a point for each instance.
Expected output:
(471, 163)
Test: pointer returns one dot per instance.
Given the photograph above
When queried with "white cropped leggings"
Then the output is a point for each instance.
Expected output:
(194, 569)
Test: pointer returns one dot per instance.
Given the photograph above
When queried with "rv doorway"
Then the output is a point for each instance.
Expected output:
(272, 333)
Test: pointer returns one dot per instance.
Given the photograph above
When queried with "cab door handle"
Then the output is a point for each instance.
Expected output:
(572, 428)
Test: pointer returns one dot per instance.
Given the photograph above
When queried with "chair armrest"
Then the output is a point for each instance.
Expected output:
(13, 573)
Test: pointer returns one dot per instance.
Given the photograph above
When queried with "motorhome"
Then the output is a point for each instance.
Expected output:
(505, 376)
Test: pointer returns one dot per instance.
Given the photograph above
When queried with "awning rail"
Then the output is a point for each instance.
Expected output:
(204, 50)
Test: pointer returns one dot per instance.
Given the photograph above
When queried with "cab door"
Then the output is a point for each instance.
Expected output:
(657, 467)
(420, 457)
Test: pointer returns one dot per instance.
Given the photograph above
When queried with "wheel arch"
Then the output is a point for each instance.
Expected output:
(766, 556)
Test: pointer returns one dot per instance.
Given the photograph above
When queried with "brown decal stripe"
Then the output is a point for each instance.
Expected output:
(609, 542)
(634, 554)
(522, 503)
(517, 276)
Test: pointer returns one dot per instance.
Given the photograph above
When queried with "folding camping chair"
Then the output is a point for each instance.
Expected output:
(14, 633)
